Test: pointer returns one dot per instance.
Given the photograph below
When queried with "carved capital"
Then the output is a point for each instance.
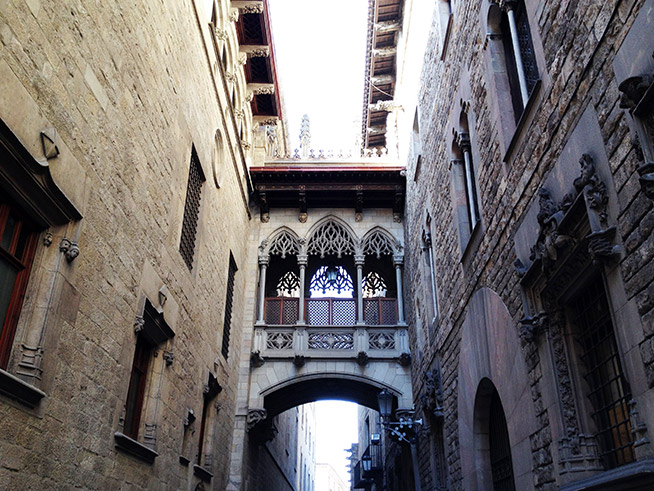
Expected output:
(265, 90)
(264, 259)
(302, 259)
(398, 259)
(220, 33)
(359, 259)
(463, 140)
(259, 52)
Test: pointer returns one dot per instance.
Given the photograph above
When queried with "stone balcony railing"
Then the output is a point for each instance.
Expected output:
(284, 311)
(330, 341)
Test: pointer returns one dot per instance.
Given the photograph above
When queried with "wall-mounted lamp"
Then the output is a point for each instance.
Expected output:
(400, 429)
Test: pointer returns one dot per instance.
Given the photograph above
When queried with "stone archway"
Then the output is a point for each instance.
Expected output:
(490, 349)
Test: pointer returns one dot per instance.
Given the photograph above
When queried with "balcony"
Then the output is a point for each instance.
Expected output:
(284, 311)
(369, 468)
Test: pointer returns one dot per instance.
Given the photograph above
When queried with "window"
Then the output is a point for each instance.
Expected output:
(228, 305)
(151, 332)
(445, 24)
(465, 187)
(606, 385)
(429, 266)
(509, 27)
(191, 210)
(17, 245)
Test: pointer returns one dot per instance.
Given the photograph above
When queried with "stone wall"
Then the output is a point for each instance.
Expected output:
(129, 90)
(576, 45)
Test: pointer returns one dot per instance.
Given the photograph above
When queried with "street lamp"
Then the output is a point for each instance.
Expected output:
(400, 428)
(366, 463)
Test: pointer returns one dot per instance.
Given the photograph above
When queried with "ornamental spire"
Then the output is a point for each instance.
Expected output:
(305, 136)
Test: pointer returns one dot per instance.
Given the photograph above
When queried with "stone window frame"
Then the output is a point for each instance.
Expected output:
(151, 329)
(576, 240)
(204, 458)
(445, 21)
(511, 126)
(464, 177)
(30, 187)
(427, 247)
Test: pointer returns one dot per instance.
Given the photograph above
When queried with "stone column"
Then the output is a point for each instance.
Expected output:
(302, 261)
(464, 144)
(509, 6)
(398, 260)
(358, 261)
(263, 265)
(426, 237)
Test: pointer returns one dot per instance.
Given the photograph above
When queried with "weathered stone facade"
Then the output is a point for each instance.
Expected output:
(127, 94)
(502, 317)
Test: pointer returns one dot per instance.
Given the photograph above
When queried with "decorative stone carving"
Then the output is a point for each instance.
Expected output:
(379, 244)
(520, 268)
(432, 396)
(64, 245)
(262, 52)
(255, 416)
(602, 247)
(633, 89)
(139, 324)
(245, 145)
(549, 240)
(256, 360)
(263, 90)
(404, 359)
(239, 113)
(388, 106)
(578, 453)
(189, 418)
(254, 8)
(362, 358)
(268, 122)
(331, 238)
(284, 244)
(594, 189)
(299, 360)
(531, 327)
(638, 427)
(48, 138)
(220, 33)
(47, 239)
(168, 357)
(249, 95)
(233, 15)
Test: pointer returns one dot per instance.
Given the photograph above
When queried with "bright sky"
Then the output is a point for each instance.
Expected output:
(336, 430)
(320, 48)
(320, 54)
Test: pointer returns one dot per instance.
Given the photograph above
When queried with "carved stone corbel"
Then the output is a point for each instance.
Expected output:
(602, 246)
(531, 327)
(139, 324)
(255, 416)
(432, 396)
(362, 358)
(256, 359)
(404, 359)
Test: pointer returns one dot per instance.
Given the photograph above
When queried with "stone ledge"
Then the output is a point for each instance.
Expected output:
(202, 473)
(634, 476)
(132, 447)
(184, 461)
(23, 392)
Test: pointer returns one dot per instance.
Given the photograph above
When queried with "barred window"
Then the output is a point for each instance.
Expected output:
(607, 386)
(191, 210)
(228, 305)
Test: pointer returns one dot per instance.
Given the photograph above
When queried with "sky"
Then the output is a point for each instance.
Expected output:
(336, 430)
(320, 55)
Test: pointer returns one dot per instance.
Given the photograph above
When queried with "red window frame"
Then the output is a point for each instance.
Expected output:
(19, 254)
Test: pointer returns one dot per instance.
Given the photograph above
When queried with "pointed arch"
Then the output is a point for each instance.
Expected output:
(281, 242)
(380, 242)
(331, 236)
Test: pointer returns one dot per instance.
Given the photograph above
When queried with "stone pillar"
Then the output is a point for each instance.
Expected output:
(464, 144)
(522, 79)
(358, 261)
(302, 261)
(426, 237)
(398, 260)
(263, 265)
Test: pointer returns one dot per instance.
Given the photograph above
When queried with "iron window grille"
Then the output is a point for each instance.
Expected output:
(191, 210)
(229, 300)
(608, 388)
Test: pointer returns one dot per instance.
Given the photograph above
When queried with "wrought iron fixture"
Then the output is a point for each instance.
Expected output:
(404, 429)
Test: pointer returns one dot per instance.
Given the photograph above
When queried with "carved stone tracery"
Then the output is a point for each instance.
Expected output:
(331, 238)
(284, 244)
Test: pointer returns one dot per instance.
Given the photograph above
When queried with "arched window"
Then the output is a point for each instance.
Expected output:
(288, 285)
(331, 281)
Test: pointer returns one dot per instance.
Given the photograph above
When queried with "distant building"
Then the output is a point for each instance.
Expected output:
(327, 479)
